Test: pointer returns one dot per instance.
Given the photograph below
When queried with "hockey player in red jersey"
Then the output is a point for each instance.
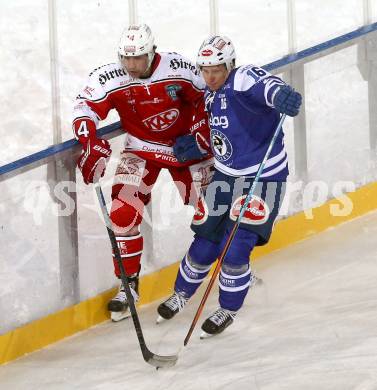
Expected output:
(159, 98)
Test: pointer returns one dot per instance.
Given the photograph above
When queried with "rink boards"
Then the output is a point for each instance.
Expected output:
(156, 285)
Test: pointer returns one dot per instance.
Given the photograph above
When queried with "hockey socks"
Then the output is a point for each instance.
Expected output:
(130, 248)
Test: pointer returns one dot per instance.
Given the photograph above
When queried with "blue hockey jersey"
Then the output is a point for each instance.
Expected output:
(242, 121)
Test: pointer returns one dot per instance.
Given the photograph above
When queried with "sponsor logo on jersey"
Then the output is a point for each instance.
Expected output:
(162, 121)
(112, 74)
(176, 64)
(88, 91)
(219, 121)
(201, 212)
(257, 211)
(130, 170)
(197, 125)
(155, 149)
(165, 157)
(125, 82)
(221, 146)
(156, 100)
(172, 90)
(206, 53)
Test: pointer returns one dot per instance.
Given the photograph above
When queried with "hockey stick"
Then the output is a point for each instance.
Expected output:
(233, 232)
(150, 357)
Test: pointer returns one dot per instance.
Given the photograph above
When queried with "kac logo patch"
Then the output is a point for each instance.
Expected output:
(221, 146)
(162, 121)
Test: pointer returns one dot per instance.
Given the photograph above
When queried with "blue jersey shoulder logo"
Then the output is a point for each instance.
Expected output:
(222, 148)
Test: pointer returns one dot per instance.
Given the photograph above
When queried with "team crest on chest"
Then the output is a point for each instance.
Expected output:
(172, 90)
(222, 148)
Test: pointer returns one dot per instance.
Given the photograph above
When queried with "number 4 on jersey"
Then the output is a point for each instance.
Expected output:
(83, 131)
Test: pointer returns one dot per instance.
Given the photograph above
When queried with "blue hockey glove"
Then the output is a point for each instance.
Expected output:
(187, 149)
(287, 101)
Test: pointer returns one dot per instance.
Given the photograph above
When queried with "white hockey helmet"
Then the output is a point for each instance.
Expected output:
(137, 40)
(217, 50)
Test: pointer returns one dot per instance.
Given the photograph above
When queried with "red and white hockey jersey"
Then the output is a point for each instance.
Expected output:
(153, 111)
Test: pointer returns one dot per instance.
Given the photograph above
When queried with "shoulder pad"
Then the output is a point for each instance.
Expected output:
(178, 63)
(106, 73)
(247, 76)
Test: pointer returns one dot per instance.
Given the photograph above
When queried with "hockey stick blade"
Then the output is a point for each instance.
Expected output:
(157, 361)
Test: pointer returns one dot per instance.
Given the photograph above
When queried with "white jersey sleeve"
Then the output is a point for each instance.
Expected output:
(256, 82)
(91, 105)
(92, 101)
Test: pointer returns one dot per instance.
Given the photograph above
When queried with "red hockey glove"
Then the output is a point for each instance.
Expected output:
(92, 162)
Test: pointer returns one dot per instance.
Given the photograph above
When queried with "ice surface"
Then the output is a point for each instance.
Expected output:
(312, 324)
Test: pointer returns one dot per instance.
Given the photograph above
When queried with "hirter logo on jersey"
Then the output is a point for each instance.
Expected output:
(162, 121)
(206, 53)
(257, 211)
(201, 212)
(178, 63)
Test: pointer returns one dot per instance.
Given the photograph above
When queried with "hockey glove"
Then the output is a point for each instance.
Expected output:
(186, 149)
(287, 101)
(92, 162)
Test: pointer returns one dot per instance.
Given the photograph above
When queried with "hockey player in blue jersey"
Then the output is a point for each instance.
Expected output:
(244, 106)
